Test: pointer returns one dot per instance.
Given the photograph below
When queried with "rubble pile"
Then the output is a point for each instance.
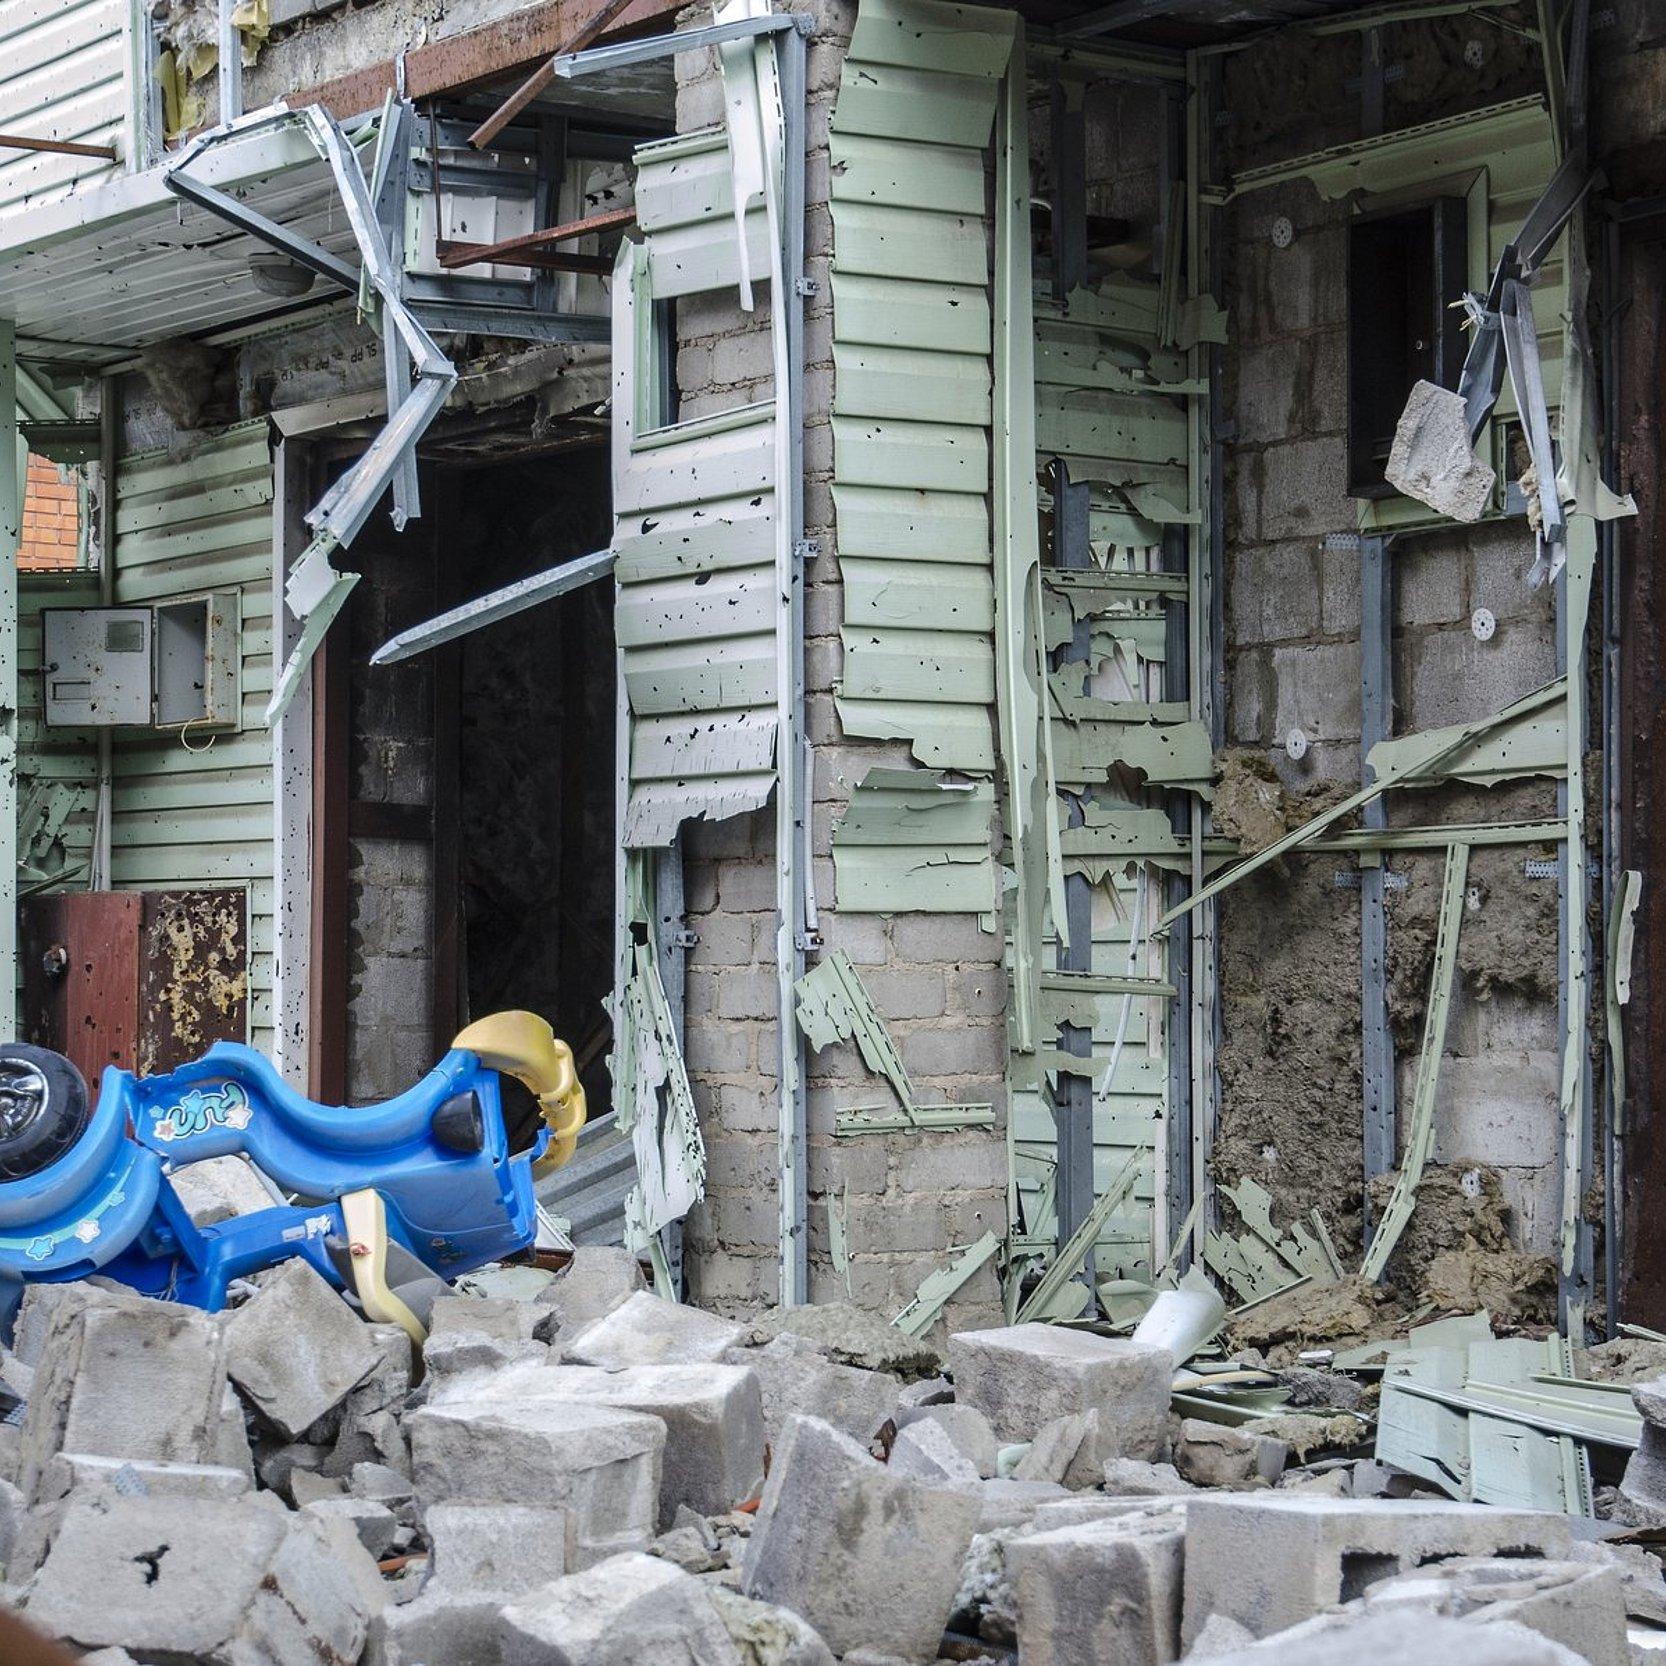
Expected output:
(579, 1473)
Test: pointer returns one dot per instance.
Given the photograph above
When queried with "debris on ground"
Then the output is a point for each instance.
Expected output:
(573, 1471)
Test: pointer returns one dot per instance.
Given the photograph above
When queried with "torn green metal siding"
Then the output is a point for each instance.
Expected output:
(912, 375)
(694, 535)
(193, 809)
(913, 840)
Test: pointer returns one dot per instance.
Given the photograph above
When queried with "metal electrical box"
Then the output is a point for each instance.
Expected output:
(170, 664)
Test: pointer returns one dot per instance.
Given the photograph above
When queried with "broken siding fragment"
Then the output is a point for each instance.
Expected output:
(911, 840)
(833, 1006)
(651, 1088)
(912, 375)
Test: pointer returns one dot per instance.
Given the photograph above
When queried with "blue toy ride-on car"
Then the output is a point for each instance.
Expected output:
(423, 1183)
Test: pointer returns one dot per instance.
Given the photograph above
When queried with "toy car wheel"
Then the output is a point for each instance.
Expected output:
(44, 1108)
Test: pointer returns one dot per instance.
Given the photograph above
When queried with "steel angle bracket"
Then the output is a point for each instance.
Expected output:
(316, 592)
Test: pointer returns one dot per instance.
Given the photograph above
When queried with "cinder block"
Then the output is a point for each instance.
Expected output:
(630, 1610)
(295, 1348)
(1317, 690)
(869, 1559)
(646, 1330)
(1106, 1590)
(220, 1583)
(123, 1377)
(1023, 1376)
(601, 1463)
(1270, 1560)
(714, 1421)
(798, 1380)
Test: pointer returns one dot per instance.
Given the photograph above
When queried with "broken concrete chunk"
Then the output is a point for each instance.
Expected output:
(766, 1635)
(1432, 459)
(1134, 1478)
(296, 1349)
(1024, 1376)
(504, 1548)
(219, 1583)
(1053, 1453)
(691, 1543)
(1270, 1559)
(966, 1426)
(479, 1333)
(799, 1380)
(630, 1610)
(375, 1525)
(851, 1336)
(598, 1279)
(1642, 1582)
(481, 1556)
(306, 1487)
(379, 1482)
(869, 1558)
(646, 1330)
(926, 1451)
(1575, 1604)
(1213, 1455)
(1064, 1582)
(602, 1463)
(1401, 1637)
(1649, 1398)
(220, 1189)
(368, 1430)
(127, 1378)
(713, 1416)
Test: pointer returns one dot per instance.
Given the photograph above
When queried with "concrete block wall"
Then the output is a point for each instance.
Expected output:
(1292, 658)
(935, 979)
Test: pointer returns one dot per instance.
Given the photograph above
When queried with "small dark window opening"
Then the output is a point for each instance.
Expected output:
(667, 395)
(1405, 269)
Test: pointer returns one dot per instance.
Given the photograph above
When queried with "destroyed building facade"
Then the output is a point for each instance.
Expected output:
(991, 763)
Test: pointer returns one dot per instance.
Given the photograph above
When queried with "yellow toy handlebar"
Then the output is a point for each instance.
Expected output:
(524, 1046)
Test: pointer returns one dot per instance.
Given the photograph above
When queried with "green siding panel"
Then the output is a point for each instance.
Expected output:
(198, 809)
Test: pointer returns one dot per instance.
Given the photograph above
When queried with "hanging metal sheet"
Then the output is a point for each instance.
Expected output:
(911, 345)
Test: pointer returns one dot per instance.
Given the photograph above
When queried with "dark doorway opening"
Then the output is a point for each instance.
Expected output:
(466, 801)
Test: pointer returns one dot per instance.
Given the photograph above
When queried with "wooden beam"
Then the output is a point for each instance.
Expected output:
(543, 75)
(59, 147)
(536, 248)
(478, 57)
